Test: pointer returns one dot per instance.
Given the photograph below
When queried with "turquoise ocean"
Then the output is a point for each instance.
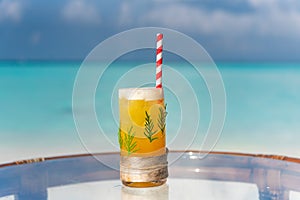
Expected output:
(36, 119)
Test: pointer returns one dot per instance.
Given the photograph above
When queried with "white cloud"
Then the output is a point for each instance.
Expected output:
(197, 20)
(279, 18)
(269, 18)
(264, 29)
(278, 4)
(130, 12)
(10, 10)
(81, 11)
(125, 14)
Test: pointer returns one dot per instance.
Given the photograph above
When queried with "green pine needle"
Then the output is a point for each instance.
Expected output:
(149, 128)
(129, 144)
(162, 119)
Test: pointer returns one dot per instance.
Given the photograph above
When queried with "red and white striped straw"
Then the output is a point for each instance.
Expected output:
(159, 48)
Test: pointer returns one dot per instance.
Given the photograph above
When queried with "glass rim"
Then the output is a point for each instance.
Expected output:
(284, 158)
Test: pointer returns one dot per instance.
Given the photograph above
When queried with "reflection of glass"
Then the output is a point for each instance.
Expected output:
(142, 137)
(152, 193)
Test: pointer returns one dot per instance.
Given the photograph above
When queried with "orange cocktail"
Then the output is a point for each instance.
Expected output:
(142, 131)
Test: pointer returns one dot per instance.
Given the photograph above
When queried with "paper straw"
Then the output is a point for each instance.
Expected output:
(159, 48)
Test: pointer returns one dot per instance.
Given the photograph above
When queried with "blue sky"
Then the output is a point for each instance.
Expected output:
(250, 30)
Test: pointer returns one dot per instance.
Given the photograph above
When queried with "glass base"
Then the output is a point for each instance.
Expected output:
(144, 184)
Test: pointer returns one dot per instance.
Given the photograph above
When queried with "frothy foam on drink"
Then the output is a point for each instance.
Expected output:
(148, 93)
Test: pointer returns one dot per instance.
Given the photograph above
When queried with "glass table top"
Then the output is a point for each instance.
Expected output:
(216, 176)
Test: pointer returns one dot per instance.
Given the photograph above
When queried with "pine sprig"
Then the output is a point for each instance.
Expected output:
(129, 144)
(162, 119)
(120, 138)
(149, 128)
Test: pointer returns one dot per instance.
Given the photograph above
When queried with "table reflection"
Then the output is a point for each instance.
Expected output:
(219, 175)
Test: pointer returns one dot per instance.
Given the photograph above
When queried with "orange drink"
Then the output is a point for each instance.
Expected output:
(142, 135)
